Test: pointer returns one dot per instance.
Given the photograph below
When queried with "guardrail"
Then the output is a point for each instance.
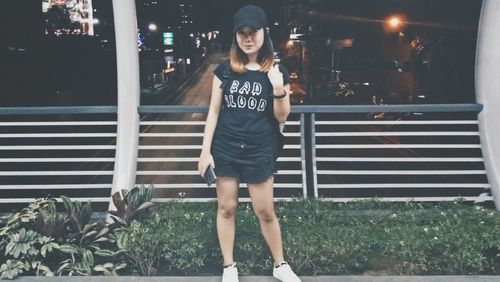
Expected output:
(178, 141)
(426, 159)
(54, 151)
(333, 152)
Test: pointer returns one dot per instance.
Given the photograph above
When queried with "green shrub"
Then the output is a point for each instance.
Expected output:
(23, 249)
(40, 241)
(324, 238)
(320, 238)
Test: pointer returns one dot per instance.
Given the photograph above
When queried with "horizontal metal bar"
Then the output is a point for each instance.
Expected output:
(61, 147)
(192, 123)
(45, 173)
(142, 122)
(391, 146)
(30, 200)
(187, 147)
(174, 160)
(61, 135)
(399, 159)
(397, 122)
(58, 123)
(169, 147)
(203, 185)
(282, 159)
(145, 122)
(408, 199)
(204, 109)
(58, 110)
(400, 172)
(62, 160)
(405, 185)
(179, 134)
(171, 109)
(195, 172)
(241, 199)
(400, 133)
(333, 108)
(387, 108)
(192, 134)
(56, 186)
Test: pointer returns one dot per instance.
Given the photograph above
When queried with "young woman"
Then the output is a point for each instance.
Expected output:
(249, 100)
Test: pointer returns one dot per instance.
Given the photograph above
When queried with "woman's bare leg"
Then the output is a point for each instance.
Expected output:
(263, 204)
(227, 203)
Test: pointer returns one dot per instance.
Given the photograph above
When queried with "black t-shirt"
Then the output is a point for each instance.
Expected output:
(247, 104)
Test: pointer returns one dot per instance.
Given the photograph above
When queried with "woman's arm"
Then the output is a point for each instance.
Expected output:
(282, 106)
(211, 122)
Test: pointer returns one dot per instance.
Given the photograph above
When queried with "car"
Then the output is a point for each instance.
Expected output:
(297, 97)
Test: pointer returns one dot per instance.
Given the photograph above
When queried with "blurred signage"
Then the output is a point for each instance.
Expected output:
(168, 38)
(296, 35)
(168, 70)
(343, 43)
(73, 17)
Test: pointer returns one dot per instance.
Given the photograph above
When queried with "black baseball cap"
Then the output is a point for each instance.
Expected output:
(249, 15)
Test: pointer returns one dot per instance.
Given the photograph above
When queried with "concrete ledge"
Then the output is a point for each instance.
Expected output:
(364, 278)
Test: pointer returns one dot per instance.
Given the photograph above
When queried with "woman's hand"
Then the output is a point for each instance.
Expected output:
(206, 159)
(276, 79)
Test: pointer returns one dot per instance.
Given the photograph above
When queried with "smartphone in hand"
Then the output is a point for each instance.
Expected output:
(209, 176)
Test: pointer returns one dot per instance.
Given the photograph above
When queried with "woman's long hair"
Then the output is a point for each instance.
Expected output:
(265, 58)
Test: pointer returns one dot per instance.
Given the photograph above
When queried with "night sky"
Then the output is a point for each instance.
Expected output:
(85, 66)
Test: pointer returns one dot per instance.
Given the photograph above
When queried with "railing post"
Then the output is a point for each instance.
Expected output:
(488, 92)
(313, 154)
(303, 154)
(127, 61)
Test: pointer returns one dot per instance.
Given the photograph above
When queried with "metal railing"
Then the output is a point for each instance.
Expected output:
(176, 169)
(333, 152)
(420, 160)
(56, 150)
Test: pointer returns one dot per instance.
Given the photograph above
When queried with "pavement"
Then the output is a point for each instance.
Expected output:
(354, 278)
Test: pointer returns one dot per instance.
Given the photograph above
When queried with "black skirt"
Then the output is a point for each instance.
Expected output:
(252, 160)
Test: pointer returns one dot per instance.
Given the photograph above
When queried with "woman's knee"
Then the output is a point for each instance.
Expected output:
(265, 214)
(227, 209)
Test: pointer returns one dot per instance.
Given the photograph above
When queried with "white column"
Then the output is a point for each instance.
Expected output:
(488, 91)
(127, 61)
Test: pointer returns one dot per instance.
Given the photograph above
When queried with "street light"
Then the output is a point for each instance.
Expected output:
(394, 23)
(152, 27)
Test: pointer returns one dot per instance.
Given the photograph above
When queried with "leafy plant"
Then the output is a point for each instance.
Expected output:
(323, 238)
(133, 204)
(27, 248)
(23, 248)
(76, 246)
(91, 250)
(49, 222)
(78, 214)
(11, 269)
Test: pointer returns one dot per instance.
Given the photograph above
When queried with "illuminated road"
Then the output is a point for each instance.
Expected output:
(198, 91)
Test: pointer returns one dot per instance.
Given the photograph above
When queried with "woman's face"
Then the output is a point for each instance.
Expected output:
(249, 40)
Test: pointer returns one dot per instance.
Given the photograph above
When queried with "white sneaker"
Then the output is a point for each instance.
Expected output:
(230, 273)
(284, 273)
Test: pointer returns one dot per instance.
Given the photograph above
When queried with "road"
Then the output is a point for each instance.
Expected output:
(197, 92)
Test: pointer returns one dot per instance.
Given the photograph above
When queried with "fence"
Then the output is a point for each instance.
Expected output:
(340, 153)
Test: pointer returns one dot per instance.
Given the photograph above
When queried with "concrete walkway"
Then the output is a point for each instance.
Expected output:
(365, 278)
